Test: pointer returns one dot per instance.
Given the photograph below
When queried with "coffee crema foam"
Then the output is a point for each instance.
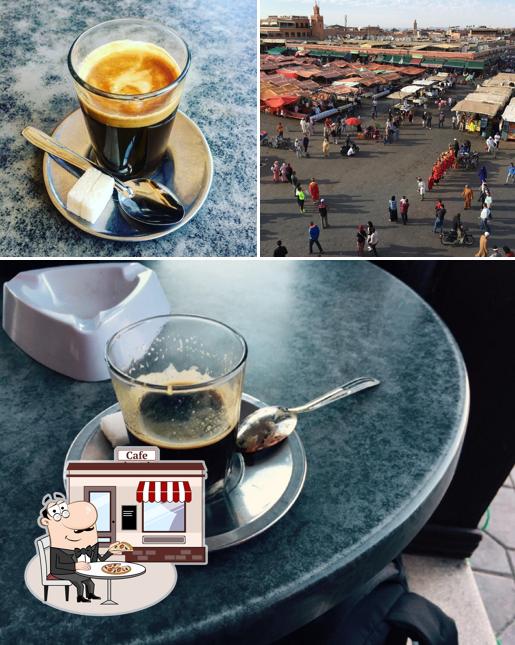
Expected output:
(207, 425)
(129, 67)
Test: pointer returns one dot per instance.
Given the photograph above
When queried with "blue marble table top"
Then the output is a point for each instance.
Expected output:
(378, 463)
(220, 96)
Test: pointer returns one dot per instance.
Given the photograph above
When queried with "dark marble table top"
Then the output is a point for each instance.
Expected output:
(378, 464)
(220, 96)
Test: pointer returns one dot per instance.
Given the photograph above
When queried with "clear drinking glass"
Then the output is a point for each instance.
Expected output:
(179, 381)
(130, 105)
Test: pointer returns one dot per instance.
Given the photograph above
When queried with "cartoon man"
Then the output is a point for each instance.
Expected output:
(73, 541)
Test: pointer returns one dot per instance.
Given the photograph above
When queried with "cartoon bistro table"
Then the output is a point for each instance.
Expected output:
(96, 572)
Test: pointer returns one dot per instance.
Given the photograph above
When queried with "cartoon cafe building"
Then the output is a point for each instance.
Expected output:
(155, 506)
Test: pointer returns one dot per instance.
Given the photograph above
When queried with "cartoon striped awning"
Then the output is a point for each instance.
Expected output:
(179, 491)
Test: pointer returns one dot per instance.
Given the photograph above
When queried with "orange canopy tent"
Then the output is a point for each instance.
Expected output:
(281, 101)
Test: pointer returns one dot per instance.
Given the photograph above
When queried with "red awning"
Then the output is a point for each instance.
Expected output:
(163, 492)
(280, 101)
(289, 73)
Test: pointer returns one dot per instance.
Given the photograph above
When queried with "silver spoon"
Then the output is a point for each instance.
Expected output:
(143, 200)
(269, 426)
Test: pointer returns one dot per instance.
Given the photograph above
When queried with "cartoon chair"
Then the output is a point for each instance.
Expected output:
(47, 579)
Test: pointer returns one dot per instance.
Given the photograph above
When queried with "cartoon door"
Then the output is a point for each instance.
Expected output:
(103, 499)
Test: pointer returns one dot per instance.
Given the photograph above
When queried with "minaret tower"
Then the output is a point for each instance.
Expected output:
(415, 28)
(317, 23)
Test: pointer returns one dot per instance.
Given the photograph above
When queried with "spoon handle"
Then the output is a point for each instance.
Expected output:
(356, 385)
(57, 149)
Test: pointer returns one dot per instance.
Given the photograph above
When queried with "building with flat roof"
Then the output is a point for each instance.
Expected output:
(294, 27)
(282, 27)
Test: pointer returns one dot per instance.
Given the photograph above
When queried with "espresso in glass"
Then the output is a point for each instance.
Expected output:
(179, 382)
(197, 424)
(128, 75)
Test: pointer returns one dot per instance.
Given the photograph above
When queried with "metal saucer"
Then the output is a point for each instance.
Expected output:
(262, 488)
(187, 168)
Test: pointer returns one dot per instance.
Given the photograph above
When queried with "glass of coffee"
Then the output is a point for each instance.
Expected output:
(179, 381)
(129, 76)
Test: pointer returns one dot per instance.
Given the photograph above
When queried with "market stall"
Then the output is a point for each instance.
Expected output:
(479, 109)
(508, 121)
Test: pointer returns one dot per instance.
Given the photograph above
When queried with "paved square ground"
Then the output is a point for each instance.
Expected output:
(357, 190)
(493, 563)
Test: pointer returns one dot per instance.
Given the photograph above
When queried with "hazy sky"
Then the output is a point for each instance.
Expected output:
(401, 13)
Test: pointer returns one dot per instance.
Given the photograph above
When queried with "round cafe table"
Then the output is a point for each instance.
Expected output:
(96, 572)
(377, 464)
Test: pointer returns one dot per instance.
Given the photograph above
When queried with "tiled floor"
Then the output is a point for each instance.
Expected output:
(494, 563)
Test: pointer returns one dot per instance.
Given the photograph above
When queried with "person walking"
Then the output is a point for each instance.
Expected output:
(429, 120)
(456, 147)
(488, 199)
(280, 131)
(497, 141)
(483, 219)
(374, 108)
(424, 118)
(490, 146)
(441, 119)
(280, 250)
(483, 245)
(482, 196)
(372, 238)
(304, 125)
(421, 186)
(468, 195)
(361, 238)
(325, 147)
(482, 174)
(299, 193)
(440, 212)
(284, 172)
(276, 172)
(322, 211)
(298, 148)
(510, 177)
(314, 234)
(454, 121)
(314, 191)
(295, 182)
(392, 209)
(305, 143)
(404, 207)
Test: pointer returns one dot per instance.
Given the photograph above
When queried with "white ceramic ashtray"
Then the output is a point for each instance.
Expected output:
(64, 316)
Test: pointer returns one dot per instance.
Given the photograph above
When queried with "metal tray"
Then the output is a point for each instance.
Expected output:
(187, 168)
(261, 490)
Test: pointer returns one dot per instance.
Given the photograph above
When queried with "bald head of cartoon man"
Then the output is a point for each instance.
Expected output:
(73, 535)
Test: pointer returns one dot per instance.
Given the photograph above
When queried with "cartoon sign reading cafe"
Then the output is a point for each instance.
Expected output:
(155, 507)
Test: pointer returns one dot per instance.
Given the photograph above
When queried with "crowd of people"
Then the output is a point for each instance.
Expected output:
(366, 236)
(335, 131)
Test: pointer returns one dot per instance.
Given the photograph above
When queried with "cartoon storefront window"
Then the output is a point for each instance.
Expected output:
(164, 517)
(163, 505)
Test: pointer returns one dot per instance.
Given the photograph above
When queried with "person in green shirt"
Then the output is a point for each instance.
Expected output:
(300, 198)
